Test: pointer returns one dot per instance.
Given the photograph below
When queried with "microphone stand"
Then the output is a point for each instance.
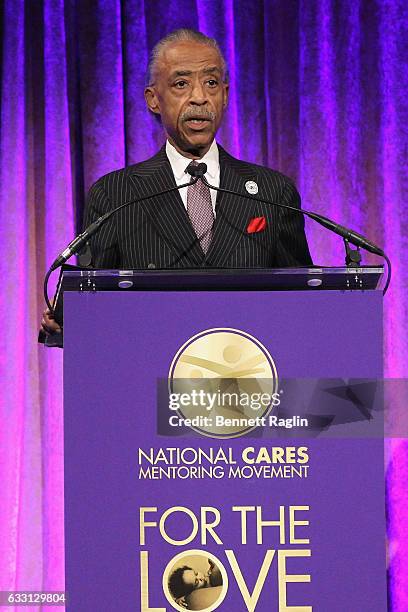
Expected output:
(79, 241)
(353, 257)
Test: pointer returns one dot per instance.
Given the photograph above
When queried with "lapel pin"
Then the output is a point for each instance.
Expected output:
(251, 187)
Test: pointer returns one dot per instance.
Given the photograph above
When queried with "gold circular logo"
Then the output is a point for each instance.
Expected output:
(225, 380)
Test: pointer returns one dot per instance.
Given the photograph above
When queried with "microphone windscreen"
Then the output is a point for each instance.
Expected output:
(197, 169)
(201, 169)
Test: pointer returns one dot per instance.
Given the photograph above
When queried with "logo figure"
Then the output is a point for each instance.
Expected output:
(227, 368)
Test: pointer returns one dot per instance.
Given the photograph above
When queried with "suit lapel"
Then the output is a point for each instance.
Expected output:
(233, 212)
(167, 213)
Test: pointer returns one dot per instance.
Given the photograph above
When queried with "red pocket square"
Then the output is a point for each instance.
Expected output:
(257, 224)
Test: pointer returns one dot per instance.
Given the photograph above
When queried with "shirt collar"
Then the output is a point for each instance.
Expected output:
(179, 163)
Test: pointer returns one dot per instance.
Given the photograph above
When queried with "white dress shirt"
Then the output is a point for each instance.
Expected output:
(179, 164)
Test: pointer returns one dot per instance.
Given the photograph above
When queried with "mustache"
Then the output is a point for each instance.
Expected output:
(197, 113)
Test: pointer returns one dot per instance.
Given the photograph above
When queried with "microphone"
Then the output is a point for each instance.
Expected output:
(348, 234)
(197, 170)
(78, 242)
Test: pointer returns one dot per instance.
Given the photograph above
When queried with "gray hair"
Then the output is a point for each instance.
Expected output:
(176, 36)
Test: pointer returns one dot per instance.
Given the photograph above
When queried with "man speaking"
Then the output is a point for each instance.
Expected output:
(195, 226)
(188, 92)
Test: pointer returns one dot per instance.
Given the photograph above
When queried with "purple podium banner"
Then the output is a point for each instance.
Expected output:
(229, 517)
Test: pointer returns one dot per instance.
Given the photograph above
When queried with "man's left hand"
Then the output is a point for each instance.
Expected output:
(181, 601)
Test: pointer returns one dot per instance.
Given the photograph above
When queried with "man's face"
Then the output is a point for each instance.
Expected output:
(194, 579)
(189, 94)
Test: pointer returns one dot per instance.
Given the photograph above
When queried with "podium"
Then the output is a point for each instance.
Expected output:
(294, 520)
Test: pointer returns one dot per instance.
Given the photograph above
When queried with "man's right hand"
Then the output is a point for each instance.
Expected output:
(49, 324)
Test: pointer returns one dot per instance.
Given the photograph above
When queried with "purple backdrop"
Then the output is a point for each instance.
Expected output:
(348, 553)
(318, 92)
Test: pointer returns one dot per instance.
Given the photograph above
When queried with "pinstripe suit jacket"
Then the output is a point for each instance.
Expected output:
(158, 230)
